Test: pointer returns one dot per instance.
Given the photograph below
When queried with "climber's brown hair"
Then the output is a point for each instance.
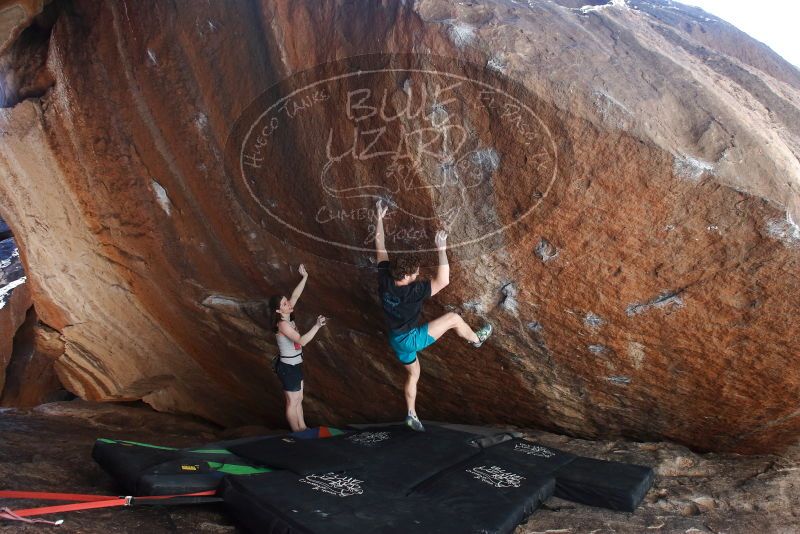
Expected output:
(402, 265)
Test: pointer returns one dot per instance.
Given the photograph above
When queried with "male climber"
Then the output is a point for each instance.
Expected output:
(402, 295)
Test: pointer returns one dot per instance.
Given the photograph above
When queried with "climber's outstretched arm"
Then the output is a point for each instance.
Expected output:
(442, 278)
(380, 237)
(299, 289)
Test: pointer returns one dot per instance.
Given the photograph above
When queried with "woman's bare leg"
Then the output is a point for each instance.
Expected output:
(291, 410)
(300, 420)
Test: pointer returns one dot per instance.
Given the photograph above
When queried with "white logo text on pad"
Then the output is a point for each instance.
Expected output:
(369, 438)
(534, 450)
(333, 484)
(496, 476)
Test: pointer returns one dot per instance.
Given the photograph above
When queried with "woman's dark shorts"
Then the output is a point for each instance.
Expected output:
(291, 376)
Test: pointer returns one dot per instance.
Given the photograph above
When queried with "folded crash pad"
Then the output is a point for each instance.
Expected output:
(613, 485)
(145, 469)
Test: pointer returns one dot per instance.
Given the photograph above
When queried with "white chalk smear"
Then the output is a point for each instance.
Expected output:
(6, 290)
(162, 197)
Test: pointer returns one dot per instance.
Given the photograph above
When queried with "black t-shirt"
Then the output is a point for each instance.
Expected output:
(401, 304)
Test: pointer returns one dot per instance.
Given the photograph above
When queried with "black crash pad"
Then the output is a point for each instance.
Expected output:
(392, 457)
(337, 503)
(613, 485)
(407, 458)
(284, 502)
(488, 493)
(432, 482)
(142, 469)
(301, 456)
(545, 460)
(371, 498)
(127, 462)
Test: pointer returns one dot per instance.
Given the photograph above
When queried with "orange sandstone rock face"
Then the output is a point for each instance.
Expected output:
(15, 16)
(30, 379)
(15, 298)
(12, 316)
(621, 196)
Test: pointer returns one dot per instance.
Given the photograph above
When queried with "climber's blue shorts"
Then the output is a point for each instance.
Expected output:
(406, 344)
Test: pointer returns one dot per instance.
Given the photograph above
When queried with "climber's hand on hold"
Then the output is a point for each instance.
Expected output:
(380, 209)
(380, 237)
(441, 240)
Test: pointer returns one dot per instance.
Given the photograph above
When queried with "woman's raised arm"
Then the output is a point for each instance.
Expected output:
(299, 289)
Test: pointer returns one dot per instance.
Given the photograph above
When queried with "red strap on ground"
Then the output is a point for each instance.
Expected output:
(47, 496)
(324, 432)
(29, 512)
(83, 497)
(86, 502)
(5, 513)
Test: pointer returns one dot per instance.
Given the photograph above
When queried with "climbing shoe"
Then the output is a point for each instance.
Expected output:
(483, 334)
(413, 422)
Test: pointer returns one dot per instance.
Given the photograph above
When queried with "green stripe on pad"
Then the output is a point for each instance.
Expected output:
(126, 442)
(331, 430)
(234, 469)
